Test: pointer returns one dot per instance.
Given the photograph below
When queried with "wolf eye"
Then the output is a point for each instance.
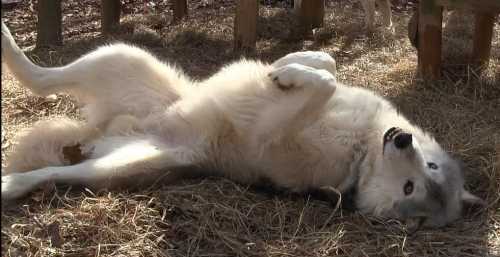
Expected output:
(408, 187)
(432, 165)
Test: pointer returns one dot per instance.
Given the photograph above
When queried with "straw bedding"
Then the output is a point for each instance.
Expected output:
(217, 217)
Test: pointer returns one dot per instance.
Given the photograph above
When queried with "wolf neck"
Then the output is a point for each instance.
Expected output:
(349, 187)
(364, 160)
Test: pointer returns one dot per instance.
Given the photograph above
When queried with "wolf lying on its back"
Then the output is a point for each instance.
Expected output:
(289, 122)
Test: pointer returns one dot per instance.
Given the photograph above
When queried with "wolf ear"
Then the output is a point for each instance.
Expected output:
(470, 199)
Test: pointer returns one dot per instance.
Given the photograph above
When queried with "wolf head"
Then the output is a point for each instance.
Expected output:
(412, 180)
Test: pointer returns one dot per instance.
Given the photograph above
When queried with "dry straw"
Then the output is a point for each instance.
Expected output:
(216, 217)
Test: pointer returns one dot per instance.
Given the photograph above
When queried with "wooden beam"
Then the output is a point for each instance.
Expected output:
(180, 9)
(429, 39)
(473, 5)
(311, 13)
(110, 15)
(245, 24)
(49, 26)
(483, 33)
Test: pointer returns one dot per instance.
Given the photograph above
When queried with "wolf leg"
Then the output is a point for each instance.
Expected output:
(115, 79)
(304, 93)
(115, 162)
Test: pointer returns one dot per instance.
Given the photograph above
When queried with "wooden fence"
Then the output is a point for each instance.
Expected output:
(311, 15)
(49, 27)
(430, 16)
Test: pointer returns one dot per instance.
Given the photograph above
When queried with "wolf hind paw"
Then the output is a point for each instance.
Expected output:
(16, 185)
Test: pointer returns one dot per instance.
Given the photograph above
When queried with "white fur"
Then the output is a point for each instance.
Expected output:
(289, 122)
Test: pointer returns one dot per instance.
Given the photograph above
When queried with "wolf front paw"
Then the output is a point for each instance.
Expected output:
(285, 77)
(16, 185)
(315, 59)
(297, 76)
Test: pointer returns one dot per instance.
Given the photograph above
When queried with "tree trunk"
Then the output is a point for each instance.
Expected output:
(110, 15)
(49, 26)
(430, 18)
(245, 25)
(180, 9)
(311, 13)
(483, 34)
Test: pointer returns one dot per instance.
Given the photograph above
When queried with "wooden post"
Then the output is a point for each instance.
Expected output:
(413, 29)
(49, 26)
(245, 24)
(429, 39)
(483, 33)
(180, 9)
(110, 15)
(311, 13)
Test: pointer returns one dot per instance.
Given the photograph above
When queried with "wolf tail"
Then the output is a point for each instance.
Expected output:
(55, 142)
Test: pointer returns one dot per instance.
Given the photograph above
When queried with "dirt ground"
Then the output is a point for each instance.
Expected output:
(216, 217)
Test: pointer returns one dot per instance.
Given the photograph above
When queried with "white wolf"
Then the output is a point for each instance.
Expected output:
(289, 122)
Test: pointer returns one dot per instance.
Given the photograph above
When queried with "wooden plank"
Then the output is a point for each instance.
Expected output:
(49, 26)
(245, 24)
(311, 13)
(110, 15)
(473, 5)
(483, 33)
(180, 9)
(429, 39)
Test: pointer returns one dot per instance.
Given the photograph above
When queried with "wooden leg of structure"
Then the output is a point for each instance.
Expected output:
(245, 24)
(311, 13)
(110, 15)
(429, 39)
(180, 9)
(49, 26)
(413, 29)
(483, 33)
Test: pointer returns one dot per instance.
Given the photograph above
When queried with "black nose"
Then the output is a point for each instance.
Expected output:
(403, 140)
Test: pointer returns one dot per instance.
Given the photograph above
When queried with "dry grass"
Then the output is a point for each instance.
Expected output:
(216, 217)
